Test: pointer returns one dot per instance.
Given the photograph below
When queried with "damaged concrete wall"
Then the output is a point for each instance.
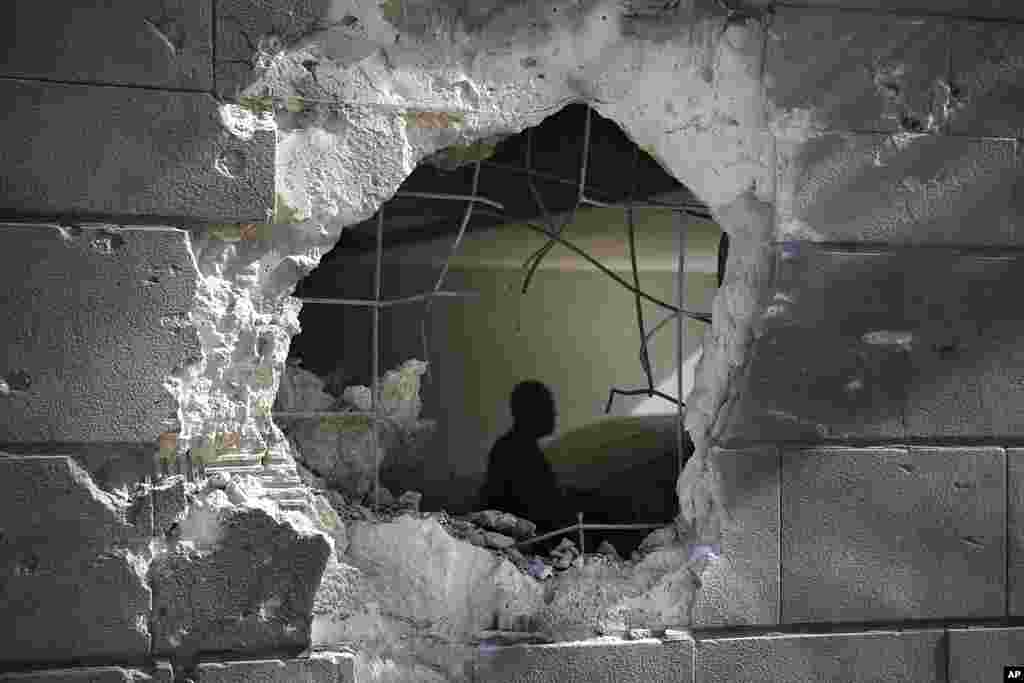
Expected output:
(814, 135)
(826, 143)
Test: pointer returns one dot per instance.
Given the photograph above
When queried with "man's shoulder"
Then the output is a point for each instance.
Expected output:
(507, 441)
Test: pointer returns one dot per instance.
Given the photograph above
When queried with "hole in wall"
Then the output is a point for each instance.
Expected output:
(575, 329)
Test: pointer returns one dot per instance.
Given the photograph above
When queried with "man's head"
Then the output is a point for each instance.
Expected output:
(533, 408)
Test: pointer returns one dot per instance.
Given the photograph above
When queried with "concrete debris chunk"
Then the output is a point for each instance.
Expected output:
(517, 558)
(66, 544)
(659, 538)
(384, 497)
(477, 537)
(410, 500)
(496, 540)
(607, 549)
(504, 523)
(566, 547)
(337, 447)
(410, 577)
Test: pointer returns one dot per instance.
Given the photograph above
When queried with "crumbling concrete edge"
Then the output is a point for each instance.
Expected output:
(708, 130)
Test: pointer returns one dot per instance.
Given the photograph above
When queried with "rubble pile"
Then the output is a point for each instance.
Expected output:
(501, 533)
(335, 450)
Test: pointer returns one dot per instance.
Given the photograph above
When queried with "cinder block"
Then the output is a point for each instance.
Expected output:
(251, 594)
(157, 43)
(104, 150)
(870, 343)
(95, 322)
(91, 674)
(319, 667)
(967, 362)
(1015, 526)
(245, 27)
(741, 586)
(988, 79)
(991, 9)
(856, 71)
(979, 654)
(916, 189)
(638, 661)
(878, 657)
(812, 375)
(72, 584)
(887, 534)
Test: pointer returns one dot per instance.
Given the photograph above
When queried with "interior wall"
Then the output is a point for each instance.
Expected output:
(577, 333)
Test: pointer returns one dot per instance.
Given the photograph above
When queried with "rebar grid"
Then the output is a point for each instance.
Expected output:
(447, 263)
(581, 527)
(555, 234)
(370, 303)
(534, 260)
(680, 347)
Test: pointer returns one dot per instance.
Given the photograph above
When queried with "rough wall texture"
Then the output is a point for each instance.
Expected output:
(825, 142)
(95, 324)
(138, 152)
(174, 569)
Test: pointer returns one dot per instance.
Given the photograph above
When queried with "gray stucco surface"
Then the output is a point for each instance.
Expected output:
(987, 59)
(92, 674)
(855, 71)
(921, 189)
(80, 149)
(320, 667)
(979, 654)
(70, 583)
(156, 43)
(252, 593)
(877, 534)
(1015, 527)
(871, 343)
(590, 662)
(880, 657)
(741, 587)
(96, 320)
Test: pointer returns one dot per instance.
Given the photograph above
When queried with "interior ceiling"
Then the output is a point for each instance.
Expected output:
(422, 229)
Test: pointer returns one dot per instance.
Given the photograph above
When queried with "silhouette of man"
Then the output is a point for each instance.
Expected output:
(519, 478)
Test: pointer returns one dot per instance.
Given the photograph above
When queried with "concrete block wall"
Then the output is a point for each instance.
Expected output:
(882, 396)
(922, 655)
(89, 576)
(872, 451)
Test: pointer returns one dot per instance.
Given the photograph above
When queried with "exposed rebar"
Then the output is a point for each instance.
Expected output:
(645, 358)
(588, 527)
(447, 264)
(540, 254)
(453, 197)
(530, 225)
(370, 303)
(680, 346)
(647, 205)
(613, 392)
(375, 393)
(697, 208)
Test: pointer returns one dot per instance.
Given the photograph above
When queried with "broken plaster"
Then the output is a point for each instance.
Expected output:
(365, 124)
